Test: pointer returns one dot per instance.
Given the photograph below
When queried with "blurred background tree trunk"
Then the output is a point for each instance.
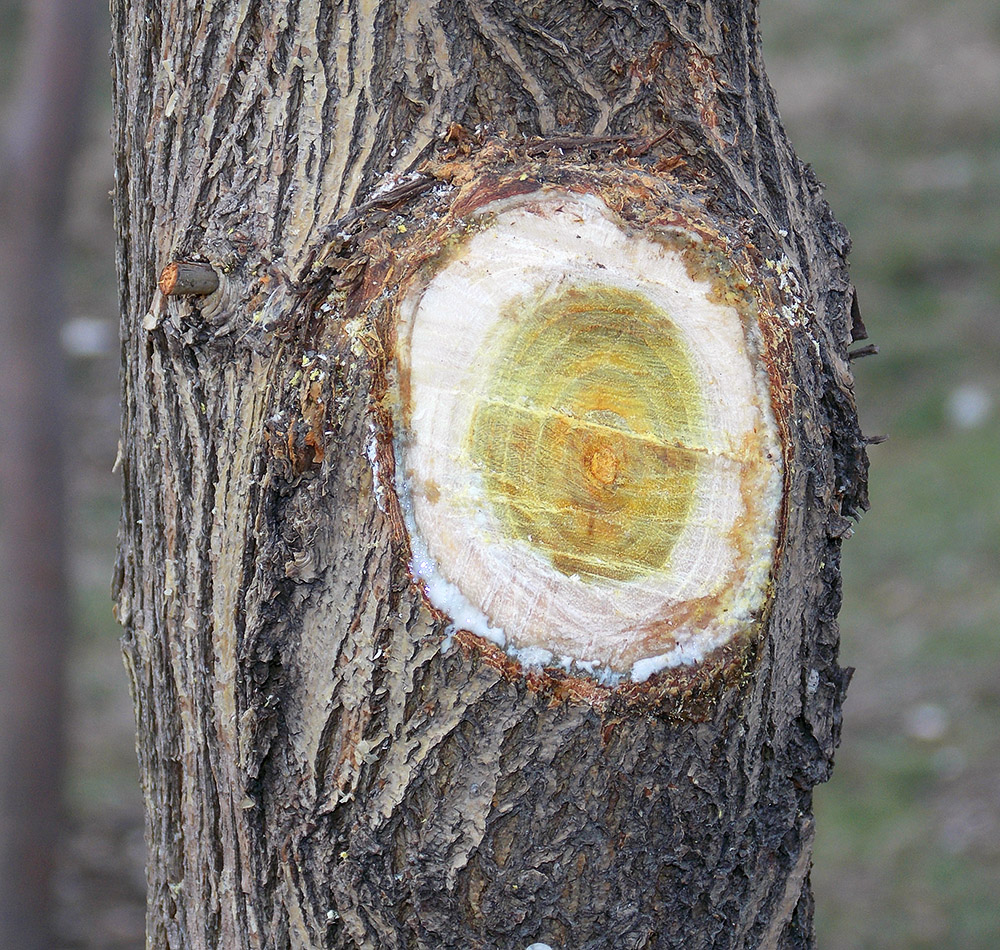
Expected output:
(39, 134)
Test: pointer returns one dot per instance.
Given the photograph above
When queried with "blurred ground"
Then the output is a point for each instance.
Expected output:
(896, 106)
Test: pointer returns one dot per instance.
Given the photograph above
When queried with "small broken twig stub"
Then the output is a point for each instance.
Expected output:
(870, 350)
(188, 278)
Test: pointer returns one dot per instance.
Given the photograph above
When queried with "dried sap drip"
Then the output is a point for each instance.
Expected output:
(590, 436)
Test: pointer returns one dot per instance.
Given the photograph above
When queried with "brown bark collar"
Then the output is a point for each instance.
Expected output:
(324, 765)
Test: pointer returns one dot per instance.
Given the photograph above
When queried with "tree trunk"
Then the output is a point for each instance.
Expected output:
(37, 147)
(333, 752)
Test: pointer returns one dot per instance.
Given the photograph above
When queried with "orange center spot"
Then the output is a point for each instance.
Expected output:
(603, 465)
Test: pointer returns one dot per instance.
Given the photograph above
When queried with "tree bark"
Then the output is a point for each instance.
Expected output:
(324, 764)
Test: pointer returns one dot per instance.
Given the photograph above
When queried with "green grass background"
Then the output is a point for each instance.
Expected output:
(896, 105)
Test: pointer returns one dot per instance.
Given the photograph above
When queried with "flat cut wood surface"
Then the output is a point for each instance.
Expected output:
(585, 422)
(587, 438)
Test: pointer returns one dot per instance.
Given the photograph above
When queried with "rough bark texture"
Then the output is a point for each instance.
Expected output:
(317, 772)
